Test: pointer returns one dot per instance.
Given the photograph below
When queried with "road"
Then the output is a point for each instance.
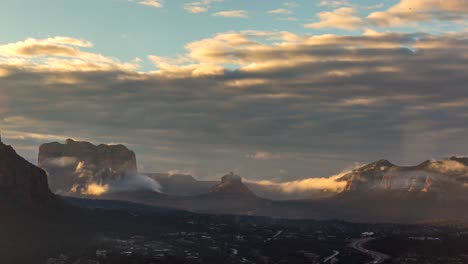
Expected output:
(275, 236)
(335, 253)
(377, 256)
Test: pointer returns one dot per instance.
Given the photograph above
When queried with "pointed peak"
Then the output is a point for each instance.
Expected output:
(383, 162)
(231, 178)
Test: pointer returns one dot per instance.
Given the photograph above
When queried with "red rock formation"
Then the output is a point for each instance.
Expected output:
(432, 175)
(231, 184)
(74, 165)
(21, 183)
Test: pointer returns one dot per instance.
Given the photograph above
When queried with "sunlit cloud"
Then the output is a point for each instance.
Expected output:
(58, 54)
(280, 11)
(334, 3)
(152, 3)
(264, 155)
(246, 83)
(92, 189)
(200, 6)
(232, 13)
(343, 18)
(359, 102)
(310, 185)
(408, 11)
(195, 8)
(291, 4)
(12, 134)
(4, 72)
(286, 13)
(404, 13)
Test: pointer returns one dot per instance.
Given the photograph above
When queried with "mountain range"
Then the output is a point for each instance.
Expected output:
(376, 192)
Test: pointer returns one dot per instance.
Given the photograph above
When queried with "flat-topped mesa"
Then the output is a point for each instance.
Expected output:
(21, 183)
(112, 156)
(74, 165)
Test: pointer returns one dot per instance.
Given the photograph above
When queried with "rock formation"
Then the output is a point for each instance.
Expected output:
(430, 176)
(21, 183)
(231, 184)
(74, 166)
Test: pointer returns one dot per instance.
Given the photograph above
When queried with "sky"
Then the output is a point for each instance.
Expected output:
(273, 90)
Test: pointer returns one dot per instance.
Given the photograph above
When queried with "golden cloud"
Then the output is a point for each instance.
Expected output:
(58, 54)
(343, 18)
(407, 11)
(329, 184)
(232, 13)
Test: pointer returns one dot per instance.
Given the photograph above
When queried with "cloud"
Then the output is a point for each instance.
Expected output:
(94, 181)
(61, 162)
(343, 18)
(232, 13)
(152, 3)
(291, 4)
(242, 49)
(359, 101)
(179, 172)
(21, 135)
(195, 8)
(57, 46)
(58, 54)
(285, 13)
(134, 183)
(200, 6)
(310, 185)
(404, 13)
(280, 11)
(449, 167)
(4, 72)
(334, 3)
(95, 189)
(263, 155)
(408, 11)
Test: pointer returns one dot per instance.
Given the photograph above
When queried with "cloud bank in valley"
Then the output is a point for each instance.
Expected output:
(310, 186)
(93, 181)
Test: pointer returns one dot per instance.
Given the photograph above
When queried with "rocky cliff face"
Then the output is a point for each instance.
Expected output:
(75, 166)
(21, 183)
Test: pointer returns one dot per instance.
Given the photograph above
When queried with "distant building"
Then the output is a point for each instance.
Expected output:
(367, 234)
(62, 259)
(101, 253)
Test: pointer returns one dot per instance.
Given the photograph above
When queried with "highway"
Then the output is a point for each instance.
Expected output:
(275, 236)
(335, 254)
(377, 256)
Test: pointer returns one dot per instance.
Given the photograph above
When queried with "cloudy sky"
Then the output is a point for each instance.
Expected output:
(276, 90)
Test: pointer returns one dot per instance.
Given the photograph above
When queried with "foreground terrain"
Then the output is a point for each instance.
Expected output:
(72, 235)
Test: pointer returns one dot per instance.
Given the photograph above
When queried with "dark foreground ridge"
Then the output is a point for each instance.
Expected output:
(21, 183)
